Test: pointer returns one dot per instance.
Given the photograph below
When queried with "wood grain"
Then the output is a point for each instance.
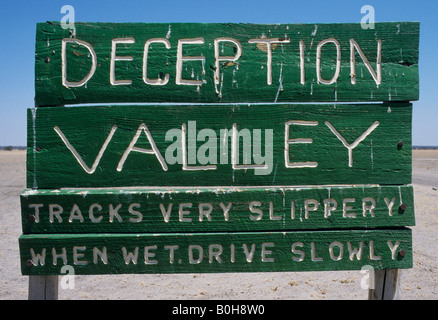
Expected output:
(378, 158)
(217, 252)
(215, 209)
(296, 74)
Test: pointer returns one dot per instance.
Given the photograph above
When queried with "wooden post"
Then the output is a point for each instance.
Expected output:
(386, 285)
(43, 288)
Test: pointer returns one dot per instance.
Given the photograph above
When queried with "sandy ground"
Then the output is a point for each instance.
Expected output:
(420, 282)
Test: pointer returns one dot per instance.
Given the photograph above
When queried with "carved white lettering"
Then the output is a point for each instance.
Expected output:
(180, 59)
(259, 212)
(263, 43)
(249, 254)
(129, 257)
(288, 141)
(216, 252)
(310, 205)
(329, 206)
(340, 249)
(78, 254)
(377, 75)
(300, 253)
(171, 252)
(115, 58)
(149, 255)
(166, 212)
(204, 210)
(393, 248)
(368, 205)
(266, 252)
(318, 61)
(350, 147)
(159, 81)
(91, 213)
(267, 43)
(219, 58)
(346, 208)
(389, 204)
(78, 157)
(71, 84)
(131, 147)
(182, 212)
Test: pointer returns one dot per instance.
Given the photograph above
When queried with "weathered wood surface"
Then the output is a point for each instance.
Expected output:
(220, 209)
(386, 285)
(216, 252)
(189, 62)
(43, 287)
(219, 145)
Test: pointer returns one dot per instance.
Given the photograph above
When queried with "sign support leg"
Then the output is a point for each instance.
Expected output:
(43, 288)
(386, 285)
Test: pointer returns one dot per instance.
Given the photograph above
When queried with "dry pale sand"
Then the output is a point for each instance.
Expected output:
(420, 282)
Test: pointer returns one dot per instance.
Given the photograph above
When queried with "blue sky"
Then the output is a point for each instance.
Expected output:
(18, 19)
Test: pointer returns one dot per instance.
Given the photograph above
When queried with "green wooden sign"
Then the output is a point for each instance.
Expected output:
(215, 209)
(220, 148)
(216, 252)
(189, 62)
(219, 145)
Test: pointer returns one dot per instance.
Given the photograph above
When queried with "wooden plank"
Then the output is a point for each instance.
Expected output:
(225, 62)
(216, 252)
(216, 209)
(219, 145)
